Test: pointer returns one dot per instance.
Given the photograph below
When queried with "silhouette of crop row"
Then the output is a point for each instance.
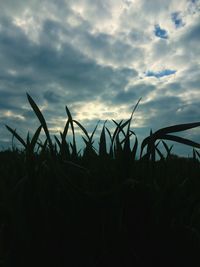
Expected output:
(104, 207)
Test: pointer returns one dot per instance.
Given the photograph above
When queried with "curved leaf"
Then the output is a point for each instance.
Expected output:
(102, 144)
(176, 128)
(181, 140)
(41, 119)
(64, 134)
(16, 135)
(35, 138)
(73, 146)
(82, 128)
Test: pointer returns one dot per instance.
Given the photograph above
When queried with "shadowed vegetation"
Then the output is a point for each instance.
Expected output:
(103, 207)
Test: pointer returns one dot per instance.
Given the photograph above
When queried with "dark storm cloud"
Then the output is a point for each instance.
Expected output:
(138, 36)
(193, 35)
(190, 39)
(164, 103)
(111, 48)
(125, 97)
(133, 93)
(51, 97)
(189, 112)
(58, 76)
(70, 68)
(167, 111)
(74, 53)
(162, 111)
(39, 65)
(17, 50)
(174, 87)
(10, 100)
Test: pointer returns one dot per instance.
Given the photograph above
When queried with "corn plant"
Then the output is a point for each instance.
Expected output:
(120, 149)
(54, 195)
(165, 134)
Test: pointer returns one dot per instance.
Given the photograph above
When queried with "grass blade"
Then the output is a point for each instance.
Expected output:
(181, 140)
(74, 149)
(91, 137)
(168, 149)
(158, 151)
(198, 154)
(82, 128)
(115, 132)
(194, 154)
(35, 138)
(57, 141)
(64, 134)
(16, 135)
(102, 144)
(41, 119)
(129, 124)
(176, 128)
(28, 139)
(111, 149)
(134, 150)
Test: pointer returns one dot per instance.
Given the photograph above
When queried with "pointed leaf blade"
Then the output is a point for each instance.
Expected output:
(41, 119)
(16, 135)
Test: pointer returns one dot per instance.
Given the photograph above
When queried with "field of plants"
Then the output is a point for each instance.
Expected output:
(99, 207)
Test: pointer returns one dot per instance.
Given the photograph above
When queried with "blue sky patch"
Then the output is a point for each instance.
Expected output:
(176, 18)
(161, 33)
(159, 74)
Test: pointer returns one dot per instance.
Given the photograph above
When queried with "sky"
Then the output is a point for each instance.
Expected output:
(98, 58)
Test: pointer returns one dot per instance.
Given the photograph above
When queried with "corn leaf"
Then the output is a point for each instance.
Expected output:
(158, 151)
(28, 139)
(64, 134)
(82, 128)
(35, 138)
(127, 141)
(176, 128)
(16, 136)
(115, 132)
(102, 144)
(74, 149)
(194, 154)
(91, 137)
(181, 140)
(134, 150)
(41, 119)
(57, 141)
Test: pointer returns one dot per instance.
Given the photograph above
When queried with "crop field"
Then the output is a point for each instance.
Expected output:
(102, 207)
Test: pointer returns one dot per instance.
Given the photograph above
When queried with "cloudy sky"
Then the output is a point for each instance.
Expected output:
(99, 57)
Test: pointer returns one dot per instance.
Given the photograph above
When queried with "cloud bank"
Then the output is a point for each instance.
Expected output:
(99, 58)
